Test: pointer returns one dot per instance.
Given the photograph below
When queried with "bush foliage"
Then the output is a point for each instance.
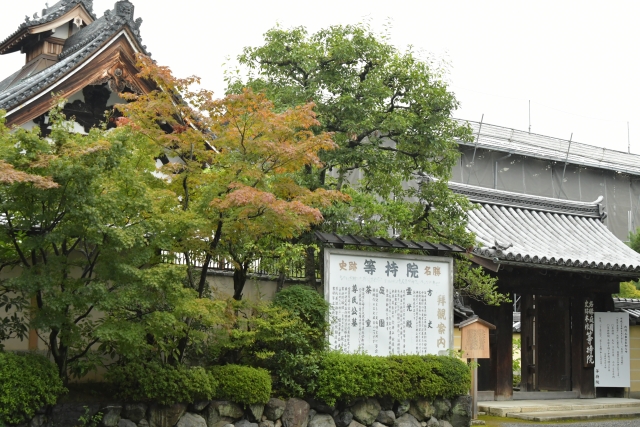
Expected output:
(164, 384)
(347, 377)
(286, 337)
(307, 304)
(27, 383)
(242, 384)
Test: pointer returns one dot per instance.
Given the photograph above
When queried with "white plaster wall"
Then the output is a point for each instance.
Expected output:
(62, 32)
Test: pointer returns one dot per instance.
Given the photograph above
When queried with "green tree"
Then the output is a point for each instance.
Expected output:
(634, 240)
(390, 116)
(81, 236)
(233, 177)
(634, 243)
(628, 290)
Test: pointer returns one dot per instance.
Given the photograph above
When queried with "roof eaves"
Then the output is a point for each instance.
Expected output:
(48, 15)
(518, 260)
(41, 82)
(525, 201)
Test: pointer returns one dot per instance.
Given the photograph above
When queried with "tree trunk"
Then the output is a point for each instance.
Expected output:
(281, 278)
(310, 266)
(239, 279)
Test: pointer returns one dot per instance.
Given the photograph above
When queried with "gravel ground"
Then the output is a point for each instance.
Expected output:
(596, 423)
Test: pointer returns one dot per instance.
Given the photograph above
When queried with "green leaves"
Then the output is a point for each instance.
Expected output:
(242, 384)
(390, 114)
(27, 383)
(84, 241)
(163, 384)
(345, 377)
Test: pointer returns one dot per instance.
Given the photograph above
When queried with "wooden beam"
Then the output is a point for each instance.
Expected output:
(119, 54)
(504, 353)
(527, 367)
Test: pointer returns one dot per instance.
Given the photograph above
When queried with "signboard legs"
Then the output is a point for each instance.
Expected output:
(474, 389)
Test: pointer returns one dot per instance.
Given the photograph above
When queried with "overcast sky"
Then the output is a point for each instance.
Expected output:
(576, 61)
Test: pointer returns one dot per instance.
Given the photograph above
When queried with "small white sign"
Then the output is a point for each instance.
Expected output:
(612, 367)
(385, 304)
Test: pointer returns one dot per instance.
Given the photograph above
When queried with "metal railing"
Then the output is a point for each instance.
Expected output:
(260, 267)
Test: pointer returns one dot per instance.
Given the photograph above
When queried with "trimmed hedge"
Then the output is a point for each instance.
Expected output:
(164, 384)
(27, 383)
(346, 377)
(242, 384)
(307, 304)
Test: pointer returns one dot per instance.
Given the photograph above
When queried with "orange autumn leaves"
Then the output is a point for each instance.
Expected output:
(264, 150)
(238, 156)
(9, 175)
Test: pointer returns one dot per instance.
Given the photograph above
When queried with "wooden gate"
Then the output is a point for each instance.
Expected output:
(552, 343)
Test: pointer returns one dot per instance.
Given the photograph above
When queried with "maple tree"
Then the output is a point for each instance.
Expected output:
(79, 238)
(390, 116)
(234, 173)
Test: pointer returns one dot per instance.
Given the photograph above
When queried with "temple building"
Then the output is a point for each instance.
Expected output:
(72, 53)
(555, 246)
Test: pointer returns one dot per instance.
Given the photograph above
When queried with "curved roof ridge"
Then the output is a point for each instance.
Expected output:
(76, 49)
(50, 14)
(491, 196)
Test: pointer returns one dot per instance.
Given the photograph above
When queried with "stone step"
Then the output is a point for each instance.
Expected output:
(508, 408)
(585, 414)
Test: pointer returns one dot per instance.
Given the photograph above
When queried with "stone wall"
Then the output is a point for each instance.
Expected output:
(276, 413)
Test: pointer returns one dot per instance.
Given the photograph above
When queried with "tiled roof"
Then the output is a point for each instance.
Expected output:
(381, 242)
(76, 49)
(628, 305)
(50, 14)
(534, 231)
(500, 138)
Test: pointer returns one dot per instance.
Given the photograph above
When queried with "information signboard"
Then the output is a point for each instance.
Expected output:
(386, 304)
(612, 364)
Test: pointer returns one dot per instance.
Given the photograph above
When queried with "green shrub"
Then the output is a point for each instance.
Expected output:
(164, 384)
(27, 383)
(411, 377)
(277, 340)
(307, 304)
(346, 377)
(242, 384)
(349, 376)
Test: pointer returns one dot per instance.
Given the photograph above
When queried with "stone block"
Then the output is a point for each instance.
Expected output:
(274, 409)
(366, 411)
(296, 413)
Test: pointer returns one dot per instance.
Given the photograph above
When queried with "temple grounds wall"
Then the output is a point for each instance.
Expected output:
(256, 289)
(294, 412)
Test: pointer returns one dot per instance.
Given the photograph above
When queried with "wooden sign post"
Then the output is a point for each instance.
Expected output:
(475, 345)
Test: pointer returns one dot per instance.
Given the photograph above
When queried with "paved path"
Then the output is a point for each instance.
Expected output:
(596, 423)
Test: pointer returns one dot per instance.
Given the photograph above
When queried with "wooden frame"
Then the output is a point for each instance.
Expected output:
(116, 62)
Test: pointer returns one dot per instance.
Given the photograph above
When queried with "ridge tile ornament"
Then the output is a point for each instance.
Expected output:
(77, 48)
(383, 304)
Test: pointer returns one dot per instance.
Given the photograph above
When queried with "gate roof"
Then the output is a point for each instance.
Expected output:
(533, 231)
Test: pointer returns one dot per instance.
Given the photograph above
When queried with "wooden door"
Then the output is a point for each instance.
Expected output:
(553, 343)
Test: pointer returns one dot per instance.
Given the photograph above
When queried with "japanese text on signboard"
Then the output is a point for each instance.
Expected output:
(589, 358)
(389, 304)
(612, 362)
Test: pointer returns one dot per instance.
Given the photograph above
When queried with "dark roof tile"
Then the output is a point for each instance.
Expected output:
(77, 48)
(514, 228)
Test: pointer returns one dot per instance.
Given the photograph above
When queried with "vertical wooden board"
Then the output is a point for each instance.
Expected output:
(526, 338)
(577, 343)
(553, 344)
(504, 353)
